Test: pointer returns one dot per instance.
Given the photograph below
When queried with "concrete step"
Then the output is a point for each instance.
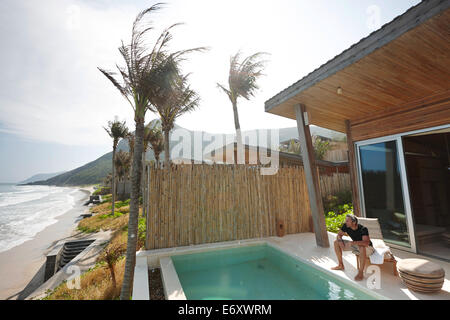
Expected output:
(79, 249)
(77, 244)
(71, 250)
(71, 255)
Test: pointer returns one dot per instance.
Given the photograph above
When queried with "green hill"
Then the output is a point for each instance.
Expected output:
(40, 177)
(96, 171)
(91, 173)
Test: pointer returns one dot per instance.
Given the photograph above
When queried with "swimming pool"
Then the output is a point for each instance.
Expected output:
(257, 272)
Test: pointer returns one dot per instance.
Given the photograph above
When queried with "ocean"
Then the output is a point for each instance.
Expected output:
(27, 210)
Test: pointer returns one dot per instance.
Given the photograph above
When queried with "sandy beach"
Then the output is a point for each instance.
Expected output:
(22, 267)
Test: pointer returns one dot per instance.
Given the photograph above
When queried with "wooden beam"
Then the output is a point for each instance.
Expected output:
(352, 170)
(312, 179)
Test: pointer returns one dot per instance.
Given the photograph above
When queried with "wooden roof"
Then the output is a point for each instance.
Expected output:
(406, 60)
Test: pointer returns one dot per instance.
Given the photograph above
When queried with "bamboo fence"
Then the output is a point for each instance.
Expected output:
(196, 204)
(330, 185)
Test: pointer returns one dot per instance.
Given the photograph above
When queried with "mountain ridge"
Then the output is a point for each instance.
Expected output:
(96, 171)
(41, 177)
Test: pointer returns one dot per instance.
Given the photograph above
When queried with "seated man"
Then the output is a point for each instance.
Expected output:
(360, 246)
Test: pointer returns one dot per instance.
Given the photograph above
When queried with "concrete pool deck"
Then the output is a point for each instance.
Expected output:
(302, 246)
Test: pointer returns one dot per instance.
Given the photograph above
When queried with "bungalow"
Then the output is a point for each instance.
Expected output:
(259, 155)
(390, 94)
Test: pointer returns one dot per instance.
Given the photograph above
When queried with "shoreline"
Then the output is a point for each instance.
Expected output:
(22, 267)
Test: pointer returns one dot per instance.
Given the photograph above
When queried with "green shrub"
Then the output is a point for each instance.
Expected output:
(142, 226)
(335, 219)
(108, 215)
(336, 202)
(120, 204)
(102, 191)
(106, 198)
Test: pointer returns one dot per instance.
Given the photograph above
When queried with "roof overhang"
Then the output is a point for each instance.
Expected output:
(407, 59)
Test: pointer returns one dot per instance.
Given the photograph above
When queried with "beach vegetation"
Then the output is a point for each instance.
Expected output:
(111, 255)
(120, 204)
(104, 221)
(107, 198)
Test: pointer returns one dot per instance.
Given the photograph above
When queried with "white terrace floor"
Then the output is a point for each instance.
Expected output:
(302, 245)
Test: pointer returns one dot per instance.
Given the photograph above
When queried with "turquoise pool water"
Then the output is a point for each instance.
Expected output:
(257, 272)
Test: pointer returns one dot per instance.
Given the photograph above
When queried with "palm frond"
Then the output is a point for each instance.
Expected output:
(116, 130)
(243, 76)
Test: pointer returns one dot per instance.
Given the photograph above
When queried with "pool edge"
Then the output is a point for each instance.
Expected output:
(171, 283)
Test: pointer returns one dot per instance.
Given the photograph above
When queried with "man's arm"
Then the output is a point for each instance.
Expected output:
(339, 239)
(364, 243)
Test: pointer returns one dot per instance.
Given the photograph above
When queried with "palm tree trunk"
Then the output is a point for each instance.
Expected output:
(157, 160)
(239, 154)
(128, 276)
(166, 149)
(113, 181)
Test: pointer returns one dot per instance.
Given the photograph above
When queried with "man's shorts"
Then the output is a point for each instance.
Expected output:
(355, 249)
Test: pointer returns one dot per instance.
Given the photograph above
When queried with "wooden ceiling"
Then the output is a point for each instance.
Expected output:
(412, 66)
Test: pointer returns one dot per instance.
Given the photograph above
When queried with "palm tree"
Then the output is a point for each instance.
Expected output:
(174, 99)
(107, 180)
(152, 136)
(116, 130)
(293, 146)
(155, 138)
(130, 138)
(242, 83)
(149, 137)
(321, 147)
(122, 164)
(138, 82)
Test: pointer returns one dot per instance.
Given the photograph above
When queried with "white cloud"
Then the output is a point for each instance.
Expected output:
(52, 90)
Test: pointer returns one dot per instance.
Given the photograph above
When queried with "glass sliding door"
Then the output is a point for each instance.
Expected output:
(384, 190)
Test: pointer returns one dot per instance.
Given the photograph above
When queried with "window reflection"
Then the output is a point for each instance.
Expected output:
(383, 197)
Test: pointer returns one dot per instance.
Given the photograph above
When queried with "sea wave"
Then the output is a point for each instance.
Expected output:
(39, 207)
(25, 194)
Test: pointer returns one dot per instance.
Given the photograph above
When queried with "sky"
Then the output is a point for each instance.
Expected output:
(54, 102)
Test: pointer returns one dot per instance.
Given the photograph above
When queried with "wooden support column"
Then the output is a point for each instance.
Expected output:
(353, 170)
(312, 178)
